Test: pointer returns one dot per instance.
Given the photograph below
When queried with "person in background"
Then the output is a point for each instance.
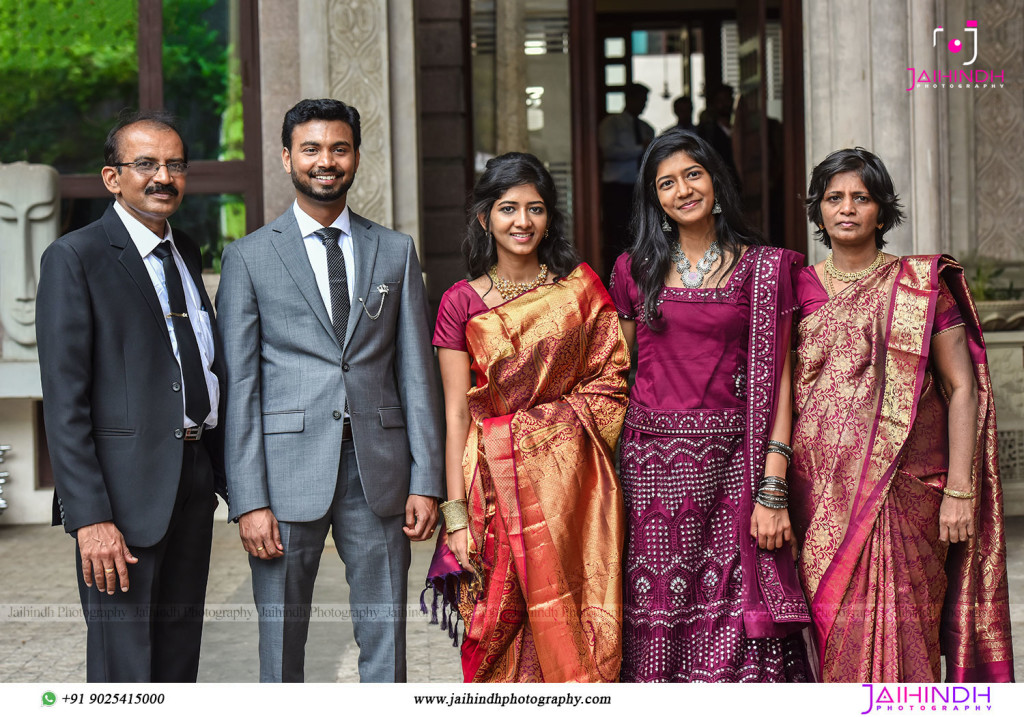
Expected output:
(682, 107)
(622, 137)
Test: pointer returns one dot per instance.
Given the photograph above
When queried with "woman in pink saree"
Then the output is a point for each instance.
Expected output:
(534, 516)
(895, 492)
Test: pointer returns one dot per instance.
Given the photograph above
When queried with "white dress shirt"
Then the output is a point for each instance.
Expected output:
(317, 252)
(146, 241)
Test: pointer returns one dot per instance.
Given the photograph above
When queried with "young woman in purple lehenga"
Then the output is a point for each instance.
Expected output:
(710, 589)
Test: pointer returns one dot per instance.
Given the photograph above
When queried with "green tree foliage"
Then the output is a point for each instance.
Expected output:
(66, 68)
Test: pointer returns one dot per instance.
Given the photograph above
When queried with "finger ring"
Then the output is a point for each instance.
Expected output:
(259, 549)
(108, 570)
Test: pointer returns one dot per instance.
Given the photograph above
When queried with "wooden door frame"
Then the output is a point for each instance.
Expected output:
(587, 171)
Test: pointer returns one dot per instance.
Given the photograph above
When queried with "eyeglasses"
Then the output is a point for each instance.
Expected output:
(149, 169)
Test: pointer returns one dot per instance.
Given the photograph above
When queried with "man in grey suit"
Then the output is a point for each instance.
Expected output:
(332, 402)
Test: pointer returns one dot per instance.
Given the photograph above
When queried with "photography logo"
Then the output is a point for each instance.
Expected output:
(973, 78)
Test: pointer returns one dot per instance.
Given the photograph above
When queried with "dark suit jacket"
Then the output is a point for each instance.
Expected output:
(112, 398)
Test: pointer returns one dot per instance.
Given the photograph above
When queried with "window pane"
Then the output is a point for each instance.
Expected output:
(202, 76)
(211, 220)
(68, 68)
(614, 47)
(614, 102)
(615, 75)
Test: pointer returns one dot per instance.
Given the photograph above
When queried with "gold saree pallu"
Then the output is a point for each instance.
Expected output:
(547, 522)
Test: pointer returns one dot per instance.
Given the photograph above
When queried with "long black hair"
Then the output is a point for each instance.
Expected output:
(876, 179)
(652, 246)
(509, 170)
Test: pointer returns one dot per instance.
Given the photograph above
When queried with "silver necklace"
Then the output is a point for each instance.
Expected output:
(693, 278)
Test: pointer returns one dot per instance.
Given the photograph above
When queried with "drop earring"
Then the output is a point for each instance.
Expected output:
(717, 209)
(664, 224)
(880, 225)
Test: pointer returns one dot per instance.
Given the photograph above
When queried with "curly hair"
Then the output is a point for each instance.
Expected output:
(875, 177)
(509, 170)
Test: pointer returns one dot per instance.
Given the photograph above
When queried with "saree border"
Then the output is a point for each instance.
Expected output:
(786, 609)
(908, 325)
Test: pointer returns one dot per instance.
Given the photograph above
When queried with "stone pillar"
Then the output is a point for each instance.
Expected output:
(510, 76)
(361, 52)
(856, 83)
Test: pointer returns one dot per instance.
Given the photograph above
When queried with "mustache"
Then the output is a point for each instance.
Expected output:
(164, 188)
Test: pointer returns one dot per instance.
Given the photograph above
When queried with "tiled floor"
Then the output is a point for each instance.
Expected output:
(36, 565)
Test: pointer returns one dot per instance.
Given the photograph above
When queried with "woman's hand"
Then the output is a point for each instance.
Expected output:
(956, 519)
(458, 543)
(770, 527)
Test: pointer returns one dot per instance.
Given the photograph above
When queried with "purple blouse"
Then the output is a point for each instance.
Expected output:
(458, 305)
(698, 359)
(811, 296)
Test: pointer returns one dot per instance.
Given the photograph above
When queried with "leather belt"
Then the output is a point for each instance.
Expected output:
(346, 430)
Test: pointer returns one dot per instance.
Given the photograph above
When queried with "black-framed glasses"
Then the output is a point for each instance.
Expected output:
(149, 169)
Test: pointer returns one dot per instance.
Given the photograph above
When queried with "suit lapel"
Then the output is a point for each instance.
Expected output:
(288, 243)
(364, 249)
(131, 260)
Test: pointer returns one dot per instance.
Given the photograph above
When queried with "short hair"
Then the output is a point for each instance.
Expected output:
(127, 117)
(323, 109)
(635, 89)
(509, 170)
(876, 179)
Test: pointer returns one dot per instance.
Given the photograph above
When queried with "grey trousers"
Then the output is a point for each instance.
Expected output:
(376, 554)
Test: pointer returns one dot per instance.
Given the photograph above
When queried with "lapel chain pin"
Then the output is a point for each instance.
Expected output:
(382, 289)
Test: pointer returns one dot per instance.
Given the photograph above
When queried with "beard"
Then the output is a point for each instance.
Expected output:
(304, 184)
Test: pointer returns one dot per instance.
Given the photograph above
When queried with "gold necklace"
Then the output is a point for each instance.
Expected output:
(851, 276)
(511, 289)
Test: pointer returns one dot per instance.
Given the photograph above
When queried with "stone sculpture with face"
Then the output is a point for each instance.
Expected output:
(29, 222)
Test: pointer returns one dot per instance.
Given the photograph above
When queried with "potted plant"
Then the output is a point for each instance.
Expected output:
(1000, 304)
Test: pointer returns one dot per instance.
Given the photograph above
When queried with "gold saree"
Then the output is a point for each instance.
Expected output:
(547, 524)
(871, 455)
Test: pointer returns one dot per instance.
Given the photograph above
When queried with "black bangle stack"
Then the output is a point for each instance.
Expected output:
(772, 492)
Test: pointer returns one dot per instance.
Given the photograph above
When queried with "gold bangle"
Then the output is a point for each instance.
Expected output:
(456, 514)
(966, 495)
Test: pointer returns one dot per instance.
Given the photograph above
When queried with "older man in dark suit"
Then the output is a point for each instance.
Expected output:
(130, 397)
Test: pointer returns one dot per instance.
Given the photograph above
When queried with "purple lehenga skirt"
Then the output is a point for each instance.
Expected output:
(683, 617)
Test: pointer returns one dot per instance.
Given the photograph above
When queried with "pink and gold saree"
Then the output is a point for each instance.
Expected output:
(546, 513)
(871, 454)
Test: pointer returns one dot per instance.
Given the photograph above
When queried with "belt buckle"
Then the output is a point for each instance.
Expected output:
(193, 433)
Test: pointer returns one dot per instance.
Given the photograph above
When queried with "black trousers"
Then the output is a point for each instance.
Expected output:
(152, 632)
(616, 207)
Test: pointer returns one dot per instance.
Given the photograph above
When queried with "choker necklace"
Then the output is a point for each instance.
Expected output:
(851, 276)
(511, 289)
(693, 279)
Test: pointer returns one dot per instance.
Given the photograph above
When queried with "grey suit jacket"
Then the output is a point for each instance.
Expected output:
(287, 377)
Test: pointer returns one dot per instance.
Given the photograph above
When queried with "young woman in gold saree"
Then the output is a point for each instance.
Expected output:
(534, 516)
(894, 487)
